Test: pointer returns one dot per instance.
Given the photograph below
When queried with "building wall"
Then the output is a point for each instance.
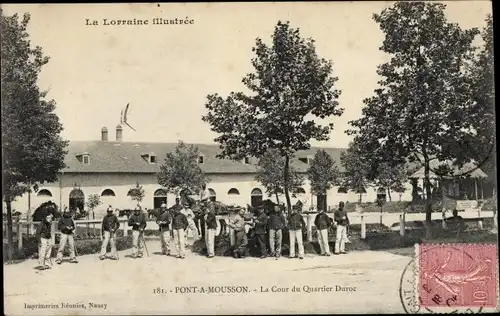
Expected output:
(220, 183)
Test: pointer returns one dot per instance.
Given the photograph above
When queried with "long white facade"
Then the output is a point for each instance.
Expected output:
(228, 188)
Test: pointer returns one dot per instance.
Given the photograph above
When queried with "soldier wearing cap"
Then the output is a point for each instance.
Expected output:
(109, 226)
(164, 219)
(179, 226)
(138, 222)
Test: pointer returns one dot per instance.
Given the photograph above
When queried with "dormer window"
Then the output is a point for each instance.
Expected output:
(306, 160)
(246, 160)
(84, 158)
(149, 157)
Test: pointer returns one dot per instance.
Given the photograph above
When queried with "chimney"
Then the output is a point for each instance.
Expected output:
(119, 133)
(104, 134)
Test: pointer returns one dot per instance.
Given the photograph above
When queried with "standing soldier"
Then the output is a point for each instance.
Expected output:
(66, 226)
(204, 198)
(163, 222)
(276, 225)
(241, 242)
(138, 222)
(44, 237)
(260, 231)
(211, 222)
(323, 222)
(295, 225)
(109, 226)
(340, 216)
(179, 226)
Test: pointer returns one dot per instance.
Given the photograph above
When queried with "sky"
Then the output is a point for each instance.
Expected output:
(165, 72)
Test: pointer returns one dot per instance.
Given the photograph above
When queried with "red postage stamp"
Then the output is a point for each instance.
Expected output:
(457, 275)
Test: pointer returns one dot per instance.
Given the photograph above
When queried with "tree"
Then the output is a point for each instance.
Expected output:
(291, 86)
(271, 174)
(323, 173)
(356, 169)
(391, 178)
(137, 193)
(481, 146)
(32, 150)
(93, 201)
(417, 111)
(181, 171)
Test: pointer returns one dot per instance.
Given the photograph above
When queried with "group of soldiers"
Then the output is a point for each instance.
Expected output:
(267, 225)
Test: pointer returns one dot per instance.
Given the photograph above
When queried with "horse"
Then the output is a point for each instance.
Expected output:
(44, 208)
(199, 219)
(126, 213)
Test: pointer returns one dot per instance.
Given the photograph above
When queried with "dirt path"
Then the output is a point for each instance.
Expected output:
(128, 286)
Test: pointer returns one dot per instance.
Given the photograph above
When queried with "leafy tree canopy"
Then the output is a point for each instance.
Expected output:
(417, 112)
(323, 173)
(181, 171)
(291, 88)
(32, 148)
(270, 173)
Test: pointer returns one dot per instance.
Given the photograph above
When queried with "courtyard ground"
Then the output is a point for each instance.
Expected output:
(128, 286)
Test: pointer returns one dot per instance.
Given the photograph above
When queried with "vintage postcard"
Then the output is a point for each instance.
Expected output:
(249, 158)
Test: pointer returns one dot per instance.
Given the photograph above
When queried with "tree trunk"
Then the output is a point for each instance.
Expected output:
(287, 193)
(277, 198)
(10, 237)
(360, 197)
(428, 198)
(28, 219)
(389, 194)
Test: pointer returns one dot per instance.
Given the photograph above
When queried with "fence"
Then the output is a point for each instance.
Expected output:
(20, 227)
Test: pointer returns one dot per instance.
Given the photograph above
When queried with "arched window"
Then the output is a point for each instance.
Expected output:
(108, 192)
(76, 199)
(44, 193)
(233, 191)
(300, 191)
(361, 190)
(256, 197)
(213, 196)
(342, 190)
(159, 197)
(381, 194)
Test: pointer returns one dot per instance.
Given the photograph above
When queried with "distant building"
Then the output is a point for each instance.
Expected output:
(112, 168)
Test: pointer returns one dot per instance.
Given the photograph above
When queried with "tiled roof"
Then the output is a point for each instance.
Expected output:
(112, 156)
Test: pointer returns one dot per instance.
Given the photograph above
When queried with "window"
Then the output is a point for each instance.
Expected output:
(361, 190)
(256, 197)
(246, 160)
(200, 159)
(300, 191)
(233, 191)
(86, 159)
(321, 202)
(152, 159)
(108, 192)
(381, 194)
(44, 193)
(303, 159)
(342, 190)
(76, 200)
(159, 197)
(213, 196)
